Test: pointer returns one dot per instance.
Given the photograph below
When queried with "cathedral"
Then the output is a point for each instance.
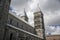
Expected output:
(13, 27)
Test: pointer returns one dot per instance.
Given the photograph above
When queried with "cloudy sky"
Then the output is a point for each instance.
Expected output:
(50, 9)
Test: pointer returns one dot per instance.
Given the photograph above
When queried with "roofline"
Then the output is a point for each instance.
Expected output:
(19, 18)
(38, 12)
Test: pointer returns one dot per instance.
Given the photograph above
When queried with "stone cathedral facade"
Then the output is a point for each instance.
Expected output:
(13, 27)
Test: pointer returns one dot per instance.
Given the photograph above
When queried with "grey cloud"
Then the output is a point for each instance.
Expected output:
(48, 29)
(57, 32)
(52, 30)
(51, 5)
(18, 2)
(55, 21)
(46, 6)
(19, 5)
(53, 18)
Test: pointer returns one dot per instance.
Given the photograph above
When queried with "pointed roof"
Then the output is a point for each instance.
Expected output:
(25, 12)
(25, 15)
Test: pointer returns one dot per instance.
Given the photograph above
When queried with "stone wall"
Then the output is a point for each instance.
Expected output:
(19, 23)
(4, 9)
(16, 34)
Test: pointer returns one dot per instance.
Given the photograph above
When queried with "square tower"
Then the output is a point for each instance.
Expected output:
(39, 24)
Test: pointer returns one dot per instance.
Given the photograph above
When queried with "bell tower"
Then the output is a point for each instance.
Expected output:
(4, 10)
(39, 24)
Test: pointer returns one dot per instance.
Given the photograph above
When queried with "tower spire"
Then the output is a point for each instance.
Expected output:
(25, 12)
(25, 15)
(39, 23)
